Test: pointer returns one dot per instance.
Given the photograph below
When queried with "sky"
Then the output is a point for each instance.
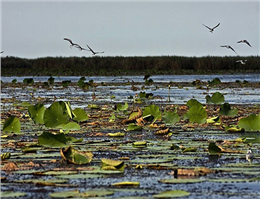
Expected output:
(32, 29)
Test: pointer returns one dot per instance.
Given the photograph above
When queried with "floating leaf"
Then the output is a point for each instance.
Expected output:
(227, 111)
(126, 184)
(170, 118)
(74, 156)
(108, 164)
(11, 194)
(250, 123)
(6, 155)
(196, 114)
(69, 126)
(217, 98)
(193, 102)
(50, 140)
(55, 115)
(134, 127)
(77, 194)
(153, 111)
(214, 149)
(140, 144)
(93, 106)
(213, 120)
(12, 125)
(181, 181)
(36, 113)
(172, 194)
(162, 132)
(118, 134)
(80, 115)
(120, 107)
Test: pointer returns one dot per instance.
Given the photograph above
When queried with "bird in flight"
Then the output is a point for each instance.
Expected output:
(93, 52)
(2, 52)
(211, 29)
(242, 61)
(244, 41)
(73, 44)
(229, 47)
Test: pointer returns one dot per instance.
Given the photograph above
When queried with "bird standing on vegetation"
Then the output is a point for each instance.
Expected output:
(249, 155)
(73, 44)
(211, 29)
(229, 47)
(243, 62)
(244, 41)
(93, 52)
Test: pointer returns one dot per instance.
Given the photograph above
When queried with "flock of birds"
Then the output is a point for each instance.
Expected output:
(228, 46)
(81, 48)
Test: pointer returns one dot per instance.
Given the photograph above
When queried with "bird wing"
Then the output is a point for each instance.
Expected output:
(232, 49)
(247, 43)
(207, 27)
(224, 46)
(240, 41)
(68, 40)
(216, 26)
(90, 49)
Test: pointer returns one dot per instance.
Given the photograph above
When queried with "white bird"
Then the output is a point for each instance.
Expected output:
(93, 52)
(74, 44)
(229, 47)
(244, 41)
(211, 29)
(242, 61)
(249, 155)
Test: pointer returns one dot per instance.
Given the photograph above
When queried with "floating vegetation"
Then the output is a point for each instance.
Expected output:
(67, 145)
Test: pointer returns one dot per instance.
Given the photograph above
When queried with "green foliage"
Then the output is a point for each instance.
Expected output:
(120, 107)
(50, 140)
(172, 194)
(227, 111)
(134, 127)
(170, 118)
(65, 83)
(217, 98)
(196, 114)
(56, 115)
(80, 115)
(14, 81)
(213, 149)
(51, 80)
(250, 123)
(193, 102)
(12, 125)
(215, 81)
(152, 112)
(36, 112)
(28, 81)
(74, 156)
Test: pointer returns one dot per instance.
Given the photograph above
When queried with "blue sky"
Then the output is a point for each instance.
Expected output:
(34, 29)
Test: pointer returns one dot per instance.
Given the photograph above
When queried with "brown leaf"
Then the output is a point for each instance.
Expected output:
(162, 132)
(10, 166)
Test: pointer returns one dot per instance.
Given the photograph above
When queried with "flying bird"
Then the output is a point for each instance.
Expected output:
(244, 41)
(229, 47)
(211, 29)
(249, 155)
(93, 52)
(2, 52)
(242, 61)
(74, 44)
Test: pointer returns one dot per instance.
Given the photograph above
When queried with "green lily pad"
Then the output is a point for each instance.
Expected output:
(170, 118)
(11, 194)
(77, 194)
(36, 113)
(69, 126)
(227, 111)
(120, 107)
(250, 123)
(80, 115)
(172, 194)
(193, 102)
(74, 156)
(152, 111)
(56, 115)
(196, 114)
(50, 140)
(181, 181)
(12, 125)
(213, 149)
(126, 183)
(217, 98)
(134, 127)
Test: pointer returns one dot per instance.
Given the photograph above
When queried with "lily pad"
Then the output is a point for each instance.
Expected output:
(12, 125)
(134, 127)
(217, 98)
(74, 156)
(181, 181)
(152, 111)
(51, 140)
(126, 183)
(250, 123)
(78, 194)
(196, 114)
(36, 112)
(170, 118)
(227, 111)
(11, 194)
(80, 115)
(172, 194)
(55, 115)
(108, 164)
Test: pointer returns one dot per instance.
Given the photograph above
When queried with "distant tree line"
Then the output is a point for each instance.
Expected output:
(117, 66)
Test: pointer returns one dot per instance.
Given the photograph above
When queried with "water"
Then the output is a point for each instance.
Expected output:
(156, 78)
